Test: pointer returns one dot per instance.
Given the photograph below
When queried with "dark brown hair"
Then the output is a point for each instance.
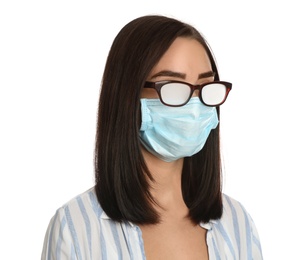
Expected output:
(120, 172)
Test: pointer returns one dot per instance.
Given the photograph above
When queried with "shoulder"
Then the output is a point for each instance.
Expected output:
(71, 227)
(234, 210)
(80, 209)
(236, 231)
(235, 218)
(75, 217)
(77, 210)
(81, 229)
(80, 202)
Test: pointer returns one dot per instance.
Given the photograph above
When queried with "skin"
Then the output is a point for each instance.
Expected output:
(175, 237)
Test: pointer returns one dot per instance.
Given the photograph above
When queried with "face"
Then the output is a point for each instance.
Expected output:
(186, 60)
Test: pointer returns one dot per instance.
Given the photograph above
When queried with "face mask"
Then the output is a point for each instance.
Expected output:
(171, 133)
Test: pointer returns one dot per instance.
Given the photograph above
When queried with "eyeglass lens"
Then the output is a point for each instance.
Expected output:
(213, 94)
(175, 93)
(178, 93)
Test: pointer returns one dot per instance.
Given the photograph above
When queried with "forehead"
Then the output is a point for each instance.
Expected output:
(185, 55)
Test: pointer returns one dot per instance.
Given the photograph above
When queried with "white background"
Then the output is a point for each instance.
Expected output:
(52, 55)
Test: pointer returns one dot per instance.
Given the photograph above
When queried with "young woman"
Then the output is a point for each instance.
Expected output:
(158, 171)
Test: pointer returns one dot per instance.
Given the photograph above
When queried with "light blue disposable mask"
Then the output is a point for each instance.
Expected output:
(171, 133)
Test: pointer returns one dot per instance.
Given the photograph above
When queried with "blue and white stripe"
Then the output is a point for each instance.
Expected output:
(81, 230)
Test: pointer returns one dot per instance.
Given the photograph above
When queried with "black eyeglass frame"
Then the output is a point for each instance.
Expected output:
(159, 84)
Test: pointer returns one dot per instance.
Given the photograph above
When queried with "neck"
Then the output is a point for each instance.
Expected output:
(166, 188)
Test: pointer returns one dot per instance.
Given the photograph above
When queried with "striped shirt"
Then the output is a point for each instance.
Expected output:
(81, 230)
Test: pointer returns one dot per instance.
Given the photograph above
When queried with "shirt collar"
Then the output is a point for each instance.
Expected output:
(104, 216)
(207, 225)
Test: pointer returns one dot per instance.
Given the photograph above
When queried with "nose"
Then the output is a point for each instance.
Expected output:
(195, 93)
(196, 90)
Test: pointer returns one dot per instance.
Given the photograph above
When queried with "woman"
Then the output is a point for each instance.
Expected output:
(157, 158)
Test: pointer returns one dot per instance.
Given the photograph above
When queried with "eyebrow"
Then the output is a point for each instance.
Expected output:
(170, 73)
(207, 74)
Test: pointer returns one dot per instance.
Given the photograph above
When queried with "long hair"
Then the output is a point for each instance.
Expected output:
(121, 174)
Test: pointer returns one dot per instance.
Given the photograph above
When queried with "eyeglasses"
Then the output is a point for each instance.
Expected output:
(178, 93)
